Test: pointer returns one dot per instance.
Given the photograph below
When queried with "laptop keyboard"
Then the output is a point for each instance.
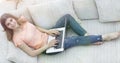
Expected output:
(59, 38)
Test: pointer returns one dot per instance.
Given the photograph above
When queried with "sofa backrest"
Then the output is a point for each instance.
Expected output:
(6, 6)
(85, 9)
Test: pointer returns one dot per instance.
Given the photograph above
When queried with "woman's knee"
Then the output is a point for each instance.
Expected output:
(67, 15)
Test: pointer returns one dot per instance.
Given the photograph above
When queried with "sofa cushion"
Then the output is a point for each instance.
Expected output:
(16, 55)
(22, 12)
(6, 6)
(85, 9)
(46, 14)
(108, 52)
(108, 10)
(3, 47)
(96, 27)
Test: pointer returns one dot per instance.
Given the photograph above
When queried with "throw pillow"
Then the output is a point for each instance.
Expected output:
(85, 9)
(46, 15)
(109, 10)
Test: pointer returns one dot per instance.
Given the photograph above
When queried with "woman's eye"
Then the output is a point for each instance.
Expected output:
(8, 24)
(10, 19)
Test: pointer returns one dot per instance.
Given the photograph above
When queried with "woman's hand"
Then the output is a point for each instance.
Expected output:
(22, 19)
(53, 32)
(52, 43)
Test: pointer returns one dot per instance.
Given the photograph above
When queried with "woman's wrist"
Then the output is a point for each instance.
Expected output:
(47, 31)
(47, 46)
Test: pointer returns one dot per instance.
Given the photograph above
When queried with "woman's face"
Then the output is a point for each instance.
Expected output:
(11, 23)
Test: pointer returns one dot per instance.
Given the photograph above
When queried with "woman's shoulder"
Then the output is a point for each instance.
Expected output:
(22, 20)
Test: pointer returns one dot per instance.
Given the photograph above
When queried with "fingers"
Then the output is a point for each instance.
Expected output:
(56, 32)
(52, 34)
(54, 45)
(55, 41)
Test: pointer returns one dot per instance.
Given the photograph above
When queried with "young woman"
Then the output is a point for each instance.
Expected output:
(33, 39)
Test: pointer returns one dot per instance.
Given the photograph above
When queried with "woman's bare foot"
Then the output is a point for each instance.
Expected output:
(98, 43)
(110, 36)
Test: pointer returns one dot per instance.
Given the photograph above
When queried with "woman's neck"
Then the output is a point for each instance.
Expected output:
(17, 29)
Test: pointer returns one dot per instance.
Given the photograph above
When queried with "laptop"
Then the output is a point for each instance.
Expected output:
(60, 38)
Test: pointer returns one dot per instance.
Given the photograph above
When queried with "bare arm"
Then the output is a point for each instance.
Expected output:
(30, 51)
(50, 32)
(34, 53)
(42, 29)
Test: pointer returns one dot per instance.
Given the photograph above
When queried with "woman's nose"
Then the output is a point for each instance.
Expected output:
(12, 23)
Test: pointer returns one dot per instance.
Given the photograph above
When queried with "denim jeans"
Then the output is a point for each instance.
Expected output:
(76, 40)
(68, 20)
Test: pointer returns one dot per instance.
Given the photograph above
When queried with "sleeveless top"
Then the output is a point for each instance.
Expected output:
(31, 36)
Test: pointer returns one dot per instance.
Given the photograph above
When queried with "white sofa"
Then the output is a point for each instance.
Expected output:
(96, 16)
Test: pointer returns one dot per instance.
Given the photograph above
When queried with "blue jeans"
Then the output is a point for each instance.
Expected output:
(76, 40)
(70, 21)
